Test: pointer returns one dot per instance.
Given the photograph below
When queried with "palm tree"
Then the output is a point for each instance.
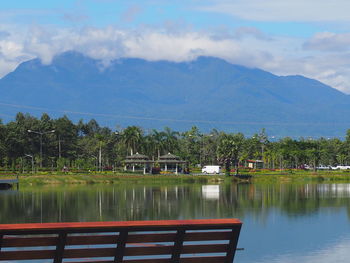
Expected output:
(170, 139)
(149, 145)
(132, 138)
(158, 142)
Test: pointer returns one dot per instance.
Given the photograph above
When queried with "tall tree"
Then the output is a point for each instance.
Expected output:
(132, 137)
(230, 150)
(2, 141)
(66, 135)
(170, 139)
(190, 145)
(157, 139)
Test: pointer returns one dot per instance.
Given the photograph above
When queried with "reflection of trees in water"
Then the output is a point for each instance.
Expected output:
(297, 199)
(137, 202)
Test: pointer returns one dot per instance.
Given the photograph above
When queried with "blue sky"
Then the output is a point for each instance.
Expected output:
(284, 37)
(135, 13)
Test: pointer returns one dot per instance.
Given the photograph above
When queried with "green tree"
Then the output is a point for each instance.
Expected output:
(67, 136)
(156, 142)
(190, 144)
(230, 150)
(170, 140)
(209, 144)
(2, 142)
(17, 140)
(132, 137)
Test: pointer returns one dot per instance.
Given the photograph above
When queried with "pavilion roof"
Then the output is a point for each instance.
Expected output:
(170, 158)
(137, 157)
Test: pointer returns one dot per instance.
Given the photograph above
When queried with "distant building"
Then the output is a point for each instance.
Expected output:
(137, 162)
(255, 164)
(168, 163)
(171, 162)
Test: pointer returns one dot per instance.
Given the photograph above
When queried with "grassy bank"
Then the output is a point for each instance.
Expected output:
(300, 176)
(59, 179)
(259, 176)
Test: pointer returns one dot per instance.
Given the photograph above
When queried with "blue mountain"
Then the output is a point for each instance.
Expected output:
(207, 92)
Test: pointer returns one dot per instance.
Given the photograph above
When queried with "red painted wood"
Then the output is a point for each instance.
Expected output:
(29, 241)
(29, 254)
(182, 260)
(129, 224)
(137, 244)
(193, 236)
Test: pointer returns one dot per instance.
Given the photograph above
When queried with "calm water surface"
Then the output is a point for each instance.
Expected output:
(282, 222)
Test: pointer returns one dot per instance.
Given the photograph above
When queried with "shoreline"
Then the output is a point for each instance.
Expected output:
(112, 178)
(67, 179)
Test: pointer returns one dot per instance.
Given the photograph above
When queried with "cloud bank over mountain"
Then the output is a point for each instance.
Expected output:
(284, 37)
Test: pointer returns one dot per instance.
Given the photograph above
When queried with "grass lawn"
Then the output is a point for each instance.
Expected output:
(258, 176)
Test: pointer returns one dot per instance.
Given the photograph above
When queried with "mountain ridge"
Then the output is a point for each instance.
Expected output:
(211, 91)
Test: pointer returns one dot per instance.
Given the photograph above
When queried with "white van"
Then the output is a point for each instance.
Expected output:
(211, 169)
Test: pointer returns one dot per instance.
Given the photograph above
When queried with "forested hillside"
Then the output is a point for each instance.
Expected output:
(207, 92)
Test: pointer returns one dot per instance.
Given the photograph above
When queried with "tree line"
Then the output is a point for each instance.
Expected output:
(56, 143)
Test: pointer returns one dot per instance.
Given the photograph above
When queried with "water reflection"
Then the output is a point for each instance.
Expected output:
(338, 252)
(282, 222)
(211, 191)
(137, 202)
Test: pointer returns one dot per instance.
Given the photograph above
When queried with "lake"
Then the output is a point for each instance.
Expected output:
(281, 222)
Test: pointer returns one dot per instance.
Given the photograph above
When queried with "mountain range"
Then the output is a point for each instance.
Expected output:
(207, 92)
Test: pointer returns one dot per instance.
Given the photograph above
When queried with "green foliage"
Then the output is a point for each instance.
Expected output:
(230, 150)
(78, 146)
(132, 137)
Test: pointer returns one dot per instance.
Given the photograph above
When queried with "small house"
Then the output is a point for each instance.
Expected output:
(255, 164)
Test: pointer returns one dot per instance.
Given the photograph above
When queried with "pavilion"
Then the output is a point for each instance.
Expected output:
(170, 162)
(138, 161)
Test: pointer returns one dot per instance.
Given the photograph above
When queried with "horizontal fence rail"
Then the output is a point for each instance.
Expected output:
(185, 241)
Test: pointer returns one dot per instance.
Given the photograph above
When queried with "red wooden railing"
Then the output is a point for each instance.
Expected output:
(185, 241)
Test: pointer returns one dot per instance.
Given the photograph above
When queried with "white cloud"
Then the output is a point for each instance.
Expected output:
(4, 34)
(246, 46)
(184, 47)
(328, 41)
(282, 10)
(10, 49)
(7, 66)
(332, 70)
(242, 32)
